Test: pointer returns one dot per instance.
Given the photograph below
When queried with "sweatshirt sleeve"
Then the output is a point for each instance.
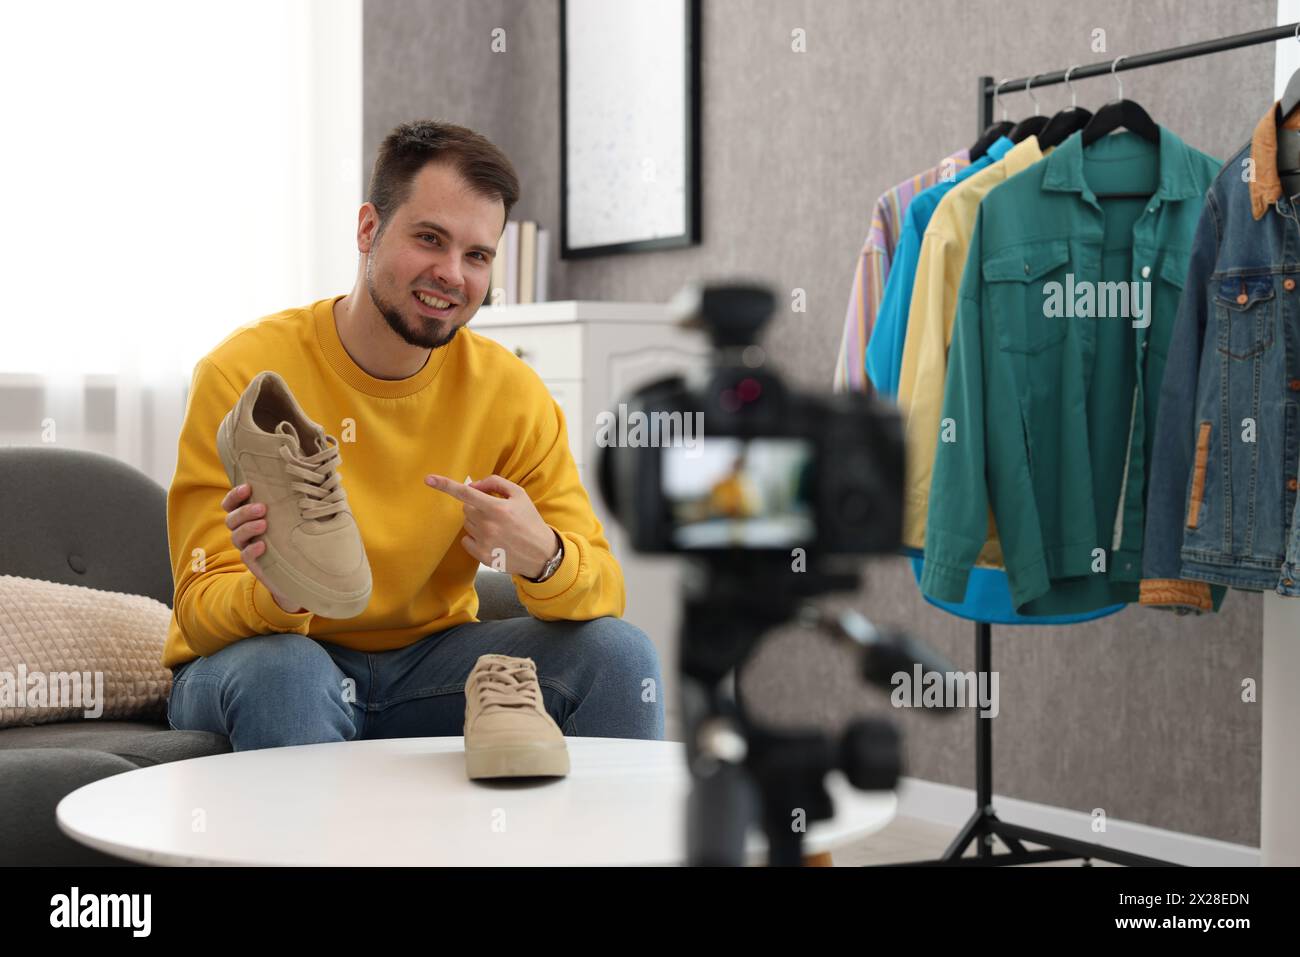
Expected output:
(217, 599)
(589, 583)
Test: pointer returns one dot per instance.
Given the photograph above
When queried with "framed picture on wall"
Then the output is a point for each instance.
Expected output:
(629, 126)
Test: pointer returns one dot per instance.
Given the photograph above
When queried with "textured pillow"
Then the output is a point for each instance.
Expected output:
(69, 653)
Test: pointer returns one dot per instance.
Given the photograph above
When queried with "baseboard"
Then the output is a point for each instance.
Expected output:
(951, 805)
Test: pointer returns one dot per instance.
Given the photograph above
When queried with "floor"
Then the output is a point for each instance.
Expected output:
(911, 839)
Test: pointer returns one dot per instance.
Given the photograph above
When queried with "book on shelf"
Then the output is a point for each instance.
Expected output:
(512, 263)
(497, 291)
(527, 260)
(521, 269)
(543, 264)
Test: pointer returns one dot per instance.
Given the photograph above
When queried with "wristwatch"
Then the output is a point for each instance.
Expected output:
(551, 565)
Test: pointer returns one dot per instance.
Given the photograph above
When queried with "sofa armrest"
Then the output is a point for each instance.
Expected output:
(496, 596)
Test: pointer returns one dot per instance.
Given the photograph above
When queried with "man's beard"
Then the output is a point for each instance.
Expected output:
(393, 316)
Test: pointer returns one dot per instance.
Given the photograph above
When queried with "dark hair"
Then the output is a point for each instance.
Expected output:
(412, 146)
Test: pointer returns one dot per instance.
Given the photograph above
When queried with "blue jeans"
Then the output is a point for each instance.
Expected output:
(599, 678)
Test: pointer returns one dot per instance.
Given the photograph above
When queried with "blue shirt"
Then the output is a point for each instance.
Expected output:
(988, 598)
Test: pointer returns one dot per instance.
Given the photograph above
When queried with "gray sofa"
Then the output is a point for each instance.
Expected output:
(87, 519)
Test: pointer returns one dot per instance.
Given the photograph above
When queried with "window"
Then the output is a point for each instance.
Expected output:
(172, 171)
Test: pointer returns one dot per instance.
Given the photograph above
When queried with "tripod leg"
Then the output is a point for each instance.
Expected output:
(718, 814)
(972, 830)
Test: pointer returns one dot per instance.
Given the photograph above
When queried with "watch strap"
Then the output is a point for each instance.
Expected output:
(550, 567)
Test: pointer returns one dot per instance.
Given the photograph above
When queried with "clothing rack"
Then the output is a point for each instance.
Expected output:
(984, 824)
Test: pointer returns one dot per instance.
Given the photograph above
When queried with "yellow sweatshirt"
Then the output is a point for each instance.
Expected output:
(474, 409)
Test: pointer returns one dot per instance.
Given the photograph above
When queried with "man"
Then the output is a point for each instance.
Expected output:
(418, 404)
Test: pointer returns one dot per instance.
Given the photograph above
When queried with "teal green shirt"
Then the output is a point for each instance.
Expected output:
(1066, 306)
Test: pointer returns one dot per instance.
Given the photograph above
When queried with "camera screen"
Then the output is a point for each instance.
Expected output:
(728, 492)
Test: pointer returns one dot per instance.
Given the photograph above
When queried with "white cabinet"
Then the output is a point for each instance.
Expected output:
(553, 349)
(591, 355)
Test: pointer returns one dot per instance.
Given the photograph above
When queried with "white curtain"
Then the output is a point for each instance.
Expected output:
(171, 171)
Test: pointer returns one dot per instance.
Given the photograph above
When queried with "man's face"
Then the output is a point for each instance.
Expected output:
(438, 245)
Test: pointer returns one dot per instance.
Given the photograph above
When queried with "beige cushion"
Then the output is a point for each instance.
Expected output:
(69, 653)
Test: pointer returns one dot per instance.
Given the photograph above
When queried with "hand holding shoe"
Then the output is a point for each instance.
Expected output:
(246, 524)
(308, 550)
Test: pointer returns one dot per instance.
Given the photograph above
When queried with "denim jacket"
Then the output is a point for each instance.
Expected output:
(1222, 505)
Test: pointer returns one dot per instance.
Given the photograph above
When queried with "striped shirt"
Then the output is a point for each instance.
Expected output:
(873, 270)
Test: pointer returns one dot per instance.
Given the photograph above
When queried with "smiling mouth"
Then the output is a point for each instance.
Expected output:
(434, 304)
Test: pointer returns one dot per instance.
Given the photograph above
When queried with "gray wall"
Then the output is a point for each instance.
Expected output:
(1139, 714)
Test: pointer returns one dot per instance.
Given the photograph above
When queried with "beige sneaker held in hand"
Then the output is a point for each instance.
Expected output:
(314, 554)
(507, 730)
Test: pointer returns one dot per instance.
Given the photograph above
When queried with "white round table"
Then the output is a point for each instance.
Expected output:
(407, 801)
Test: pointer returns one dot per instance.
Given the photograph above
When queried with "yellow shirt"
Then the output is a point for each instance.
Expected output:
(474, 409)
(929, 334)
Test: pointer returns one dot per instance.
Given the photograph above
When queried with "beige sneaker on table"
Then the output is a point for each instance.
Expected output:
(314, 555)
(507, 730)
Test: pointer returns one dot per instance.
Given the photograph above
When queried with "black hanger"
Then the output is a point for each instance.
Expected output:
(991, 135)
(999, 129)
(1064, 125)
(1030, 125)
(1291, 96)
(1126, 114)
(1121, 113)
(1287, 159)
(1288, 151)
(1068, 121)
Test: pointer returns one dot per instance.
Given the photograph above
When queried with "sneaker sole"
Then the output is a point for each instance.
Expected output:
(286, 579)
(517, 761)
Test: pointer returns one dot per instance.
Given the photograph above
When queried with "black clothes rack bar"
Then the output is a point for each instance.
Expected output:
(984, 825)
(1186, 52)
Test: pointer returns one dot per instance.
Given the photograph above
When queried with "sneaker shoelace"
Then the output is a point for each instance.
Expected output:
(508, 685)
(321, 495)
